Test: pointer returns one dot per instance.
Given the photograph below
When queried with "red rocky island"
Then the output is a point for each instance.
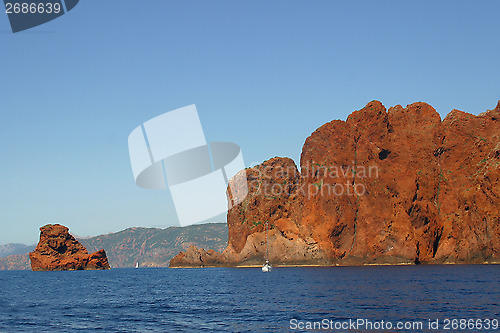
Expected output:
(386, 186)
(58, 250)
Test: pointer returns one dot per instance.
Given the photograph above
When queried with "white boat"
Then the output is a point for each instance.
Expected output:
(136, 265)
(267, 267)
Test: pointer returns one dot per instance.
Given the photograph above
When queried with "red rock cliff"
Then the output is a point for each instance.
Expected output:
(385, 186)
(57, 250)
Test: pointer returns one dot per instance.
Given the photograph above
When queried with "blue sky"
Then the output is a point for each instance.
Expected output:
(263, 74)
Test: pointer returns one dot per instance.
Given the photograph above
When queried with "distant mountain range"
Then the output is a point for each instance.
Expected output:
(14, 249)
(150, 247)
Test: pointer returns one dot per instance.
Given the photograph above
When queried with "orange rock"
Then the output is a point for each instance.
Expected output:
(57, 250)
(397, 187)
(195, 257)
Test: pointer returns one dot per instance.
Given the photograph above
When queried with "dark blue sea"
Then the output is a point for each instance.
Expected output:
(247, 300)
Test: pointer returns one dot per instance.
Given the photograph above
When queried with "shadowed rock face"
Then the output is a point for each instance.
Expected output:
(395, 186)
(57, 250)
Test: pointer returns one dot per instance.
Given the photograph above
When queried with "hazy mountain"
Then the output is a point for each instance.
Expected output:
(15, 249)
(154, 247)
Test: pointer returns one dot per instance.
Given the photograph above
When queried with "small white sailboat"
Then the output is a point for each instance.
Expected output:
(137, 265)
(267, 267)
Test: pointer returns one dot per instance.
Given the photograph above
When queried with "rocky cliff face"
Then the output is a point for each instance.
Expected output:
(57, 250)
(397, 186)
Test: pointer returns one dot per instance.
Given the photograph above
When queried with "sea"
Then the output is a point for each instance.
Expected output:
(424, 298)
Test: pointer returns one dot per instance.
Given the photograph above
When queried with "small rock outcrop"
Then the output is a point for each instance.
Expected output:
(58, 250)
(194, 257)
(396, 186)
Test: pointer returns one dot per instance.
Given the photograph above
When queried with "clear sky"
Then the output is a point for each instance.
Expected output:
(263, 74)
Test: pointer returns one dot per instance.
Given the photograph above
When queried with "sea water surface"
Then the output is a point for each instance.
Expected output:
(246, 299)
